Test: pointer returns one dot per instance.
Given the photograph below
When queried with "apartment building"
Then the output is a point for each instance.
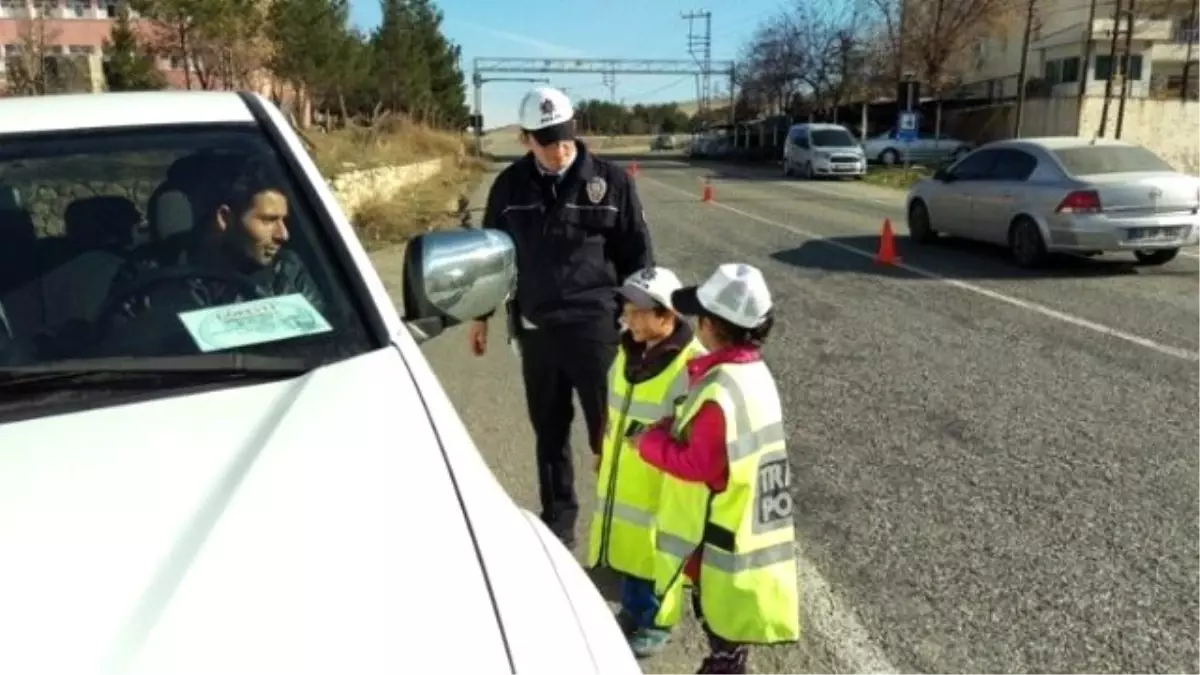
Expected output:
(1162, 42)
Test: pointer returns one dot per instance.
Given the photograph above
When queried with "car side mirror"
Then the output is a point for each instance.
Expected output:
(943, 176)
(455, 276)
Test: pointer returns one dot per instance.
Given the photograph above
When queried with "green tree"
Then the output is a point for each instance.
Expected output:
(310, 40)
(129, 65)
(400, 64)
(446, 106)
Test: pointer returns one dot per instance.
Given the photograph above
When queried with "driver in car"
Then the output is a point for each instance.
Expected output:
(240, 254)
(248, 237)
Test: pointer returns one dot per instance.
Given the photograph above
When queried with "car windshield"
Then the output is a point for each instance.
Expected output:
(832, 138)
(1096, 159)
(139, 244)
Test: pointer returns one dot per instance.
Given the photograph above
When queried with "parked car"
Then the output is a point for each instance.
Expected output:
(822, 150)
(928, 148)
(1042, 195)
(663, 142)
(710, 146)
(192, 481)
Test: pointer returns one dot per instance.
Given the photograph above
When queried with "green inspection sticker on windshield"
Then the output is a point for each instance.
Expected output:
(255, 322)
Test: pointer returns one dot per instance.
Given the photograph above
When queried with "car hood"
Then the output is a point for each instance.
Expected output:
(292, 526)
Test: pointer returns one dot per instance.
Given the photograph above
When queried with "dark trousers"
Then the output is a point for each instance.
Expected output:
(723, 656)
(554, 362)
(639, 601)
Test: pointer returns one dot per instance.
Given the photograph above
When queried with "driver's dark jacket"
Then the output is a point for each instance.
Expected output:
(286, 275)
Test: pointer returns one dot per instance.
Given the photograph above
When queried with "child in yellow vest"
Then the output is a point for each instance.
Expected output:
(645, 379)
(725, 510)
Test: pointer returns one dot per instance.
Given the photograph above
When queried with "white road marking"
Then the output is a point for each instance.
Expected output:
(823, 614)
(963, 285)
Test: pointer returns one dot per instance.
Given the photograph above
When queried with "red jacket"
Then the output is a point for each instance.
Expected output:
(701, 457)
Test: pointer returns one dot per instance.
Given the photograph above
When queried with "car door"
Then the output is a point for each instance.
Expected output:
(924, 149)
(997, 197)
(951, 203)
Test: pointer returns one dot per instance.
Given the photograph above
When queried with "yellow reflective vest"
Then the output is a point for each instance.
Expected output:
(747, 582)
(622, 530)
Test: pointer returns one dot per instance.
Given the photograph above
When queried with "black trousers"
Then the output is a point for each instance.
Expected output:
(554, 362)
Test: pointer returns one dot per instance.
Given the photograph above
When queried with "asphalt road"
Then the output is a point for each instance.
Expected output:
(997, 470)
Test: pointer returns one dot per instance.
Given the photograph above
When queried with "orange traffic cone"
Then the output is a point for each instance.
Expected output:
(633, 168)
(887, 245)
(707, 194)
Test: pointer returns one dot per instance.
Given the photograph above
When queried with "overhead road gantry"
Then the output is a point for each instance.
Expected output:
(608, 67)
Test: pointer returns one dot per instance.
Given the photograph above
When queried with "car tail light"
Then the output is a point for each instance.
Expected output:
(1080, 201)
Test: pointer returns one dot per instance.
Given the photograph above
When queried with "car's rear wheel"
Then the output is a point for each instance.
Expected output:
(1026, 244)
(889, 157)
(787, 169)
(808, 171)
(1160, 256)
(919, 228)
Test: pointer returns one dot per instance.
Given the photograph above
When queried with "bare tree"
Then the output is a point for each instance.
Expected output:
(936, 35)
(31, 71)
(773, 63)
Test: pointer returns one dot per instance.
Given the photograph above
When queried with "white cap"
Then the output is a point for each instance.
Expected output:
(736, 292)
(544, 107)
(650, 287)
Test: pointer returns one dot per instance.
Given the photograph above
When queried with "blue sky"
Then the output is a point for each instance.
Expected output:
(635, 29)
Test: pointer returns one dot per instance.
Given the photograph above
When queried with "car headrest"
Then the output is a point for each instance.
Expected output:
(107, 220)
(170, 213)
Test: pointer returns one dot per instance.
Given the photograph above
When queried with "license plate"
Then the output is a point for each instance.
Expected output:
(1153, 233)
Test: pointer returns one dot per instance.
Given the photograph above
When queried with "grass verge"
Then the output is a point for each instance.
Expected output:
(896, 178)
(390, 142)
(420, 208)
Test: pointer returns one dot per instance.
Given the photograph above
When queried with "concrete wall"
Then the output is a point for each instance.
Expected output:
(353, 188)
(1168, 128)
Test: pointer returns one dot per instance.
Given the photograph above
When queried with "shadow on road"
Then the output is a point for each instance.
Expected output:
(960, 259)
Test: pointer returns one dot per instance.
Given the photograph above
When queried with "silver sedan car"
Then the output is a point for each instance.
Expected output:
(1062, 194)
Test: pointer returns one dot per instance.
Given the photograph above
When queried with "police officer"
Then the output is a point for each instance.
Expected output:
(579, 229)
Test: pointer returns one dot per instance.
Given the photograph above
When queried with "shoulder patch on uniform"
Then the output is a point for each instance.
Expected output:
(597, 187)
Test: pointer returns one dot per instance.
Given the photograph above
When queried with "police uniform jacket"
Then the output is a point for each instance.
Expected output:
(576, 235)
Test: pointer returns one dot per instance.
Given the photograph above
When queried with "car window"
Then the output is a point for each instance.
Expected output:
(797, 136)
(1093, 159)
(146, 242)
(1011, 164)
(975, 166)
(832, 138)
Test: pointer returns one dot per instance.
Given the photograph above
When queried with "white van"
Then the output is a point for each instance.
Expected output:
(823, 150)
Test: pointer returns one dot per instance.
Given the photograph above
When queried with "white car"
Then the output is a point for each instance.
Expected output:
(814, 150)
(1063, 194)
(927, 148)
(223, 452)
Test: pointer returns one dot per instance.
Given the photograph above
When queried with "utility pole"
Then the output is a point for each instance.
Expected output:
(900, 42)
(1112, 66)
(610, 80)
(700, 49)
(1187, 63)
(1085, 67)
(1126, 60)
(1023, 71)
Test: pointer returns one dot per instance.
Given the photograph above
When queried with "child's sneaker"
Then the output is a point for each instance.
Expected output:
(648, 641)
(628, 624)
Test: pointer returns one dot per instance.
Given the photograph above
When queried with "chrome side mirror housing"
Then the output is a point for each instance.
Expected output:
(455, 276)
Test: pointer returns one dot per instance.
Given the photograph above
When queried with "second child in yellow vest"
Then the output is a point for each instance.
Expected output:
(645, 381)
(725, 511)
